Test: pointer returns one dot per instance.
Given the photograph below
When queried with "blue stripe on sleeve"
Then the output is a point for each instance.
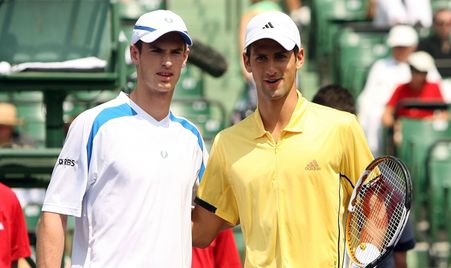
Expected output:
(103, 117)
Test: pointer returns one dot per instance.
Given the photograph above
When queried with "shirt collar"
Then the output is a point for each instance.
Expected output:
(126, 98)
(294, 125)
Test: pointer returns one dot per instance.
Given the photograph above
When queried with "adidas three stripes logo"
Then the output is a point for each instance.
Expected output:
(268, 25)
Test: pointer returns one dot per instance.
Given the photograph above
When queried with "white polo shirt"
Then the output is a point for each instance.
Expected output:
(128, 180)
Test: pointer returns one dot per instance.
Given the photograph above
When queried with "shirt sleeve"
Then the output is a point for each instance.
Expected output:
(215, 191)
(69, 179)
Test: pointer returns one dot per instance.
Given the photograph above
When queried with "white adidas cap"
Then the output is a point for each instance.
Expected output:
(274, 25)
(152, 25)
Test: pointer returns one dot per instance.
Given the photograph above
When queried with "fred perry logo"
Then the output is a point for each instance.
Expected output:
(163, 154)
(168, 20)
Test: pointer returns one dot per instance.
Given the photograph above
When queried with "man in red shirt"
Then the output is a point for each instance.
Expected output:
(418, 88)
(14, 243)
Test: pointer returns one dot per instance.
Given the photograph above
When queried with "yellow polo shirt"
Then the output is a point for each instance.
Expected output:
(289, 196)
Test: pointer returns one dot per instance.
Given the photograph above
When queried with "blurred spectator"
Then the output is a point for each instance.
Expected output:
(14, 243)
(298, 12)
(418, 88)
(384, 76)
(340, 98)
(222, 253)
(9, 137)
(438, 44)
(387, 13)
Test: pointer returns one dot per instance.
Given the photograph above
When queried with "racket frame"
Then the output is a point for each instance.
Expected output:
(404, 216)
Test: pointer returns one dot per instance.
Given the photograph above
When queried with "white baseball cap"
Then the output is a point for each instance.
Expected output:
(152, 25)
(274, 25)
(421, 61)
(402, 36)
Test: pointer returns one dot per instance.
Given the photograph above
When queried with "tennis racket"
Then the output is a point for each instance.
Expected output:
(377, 212)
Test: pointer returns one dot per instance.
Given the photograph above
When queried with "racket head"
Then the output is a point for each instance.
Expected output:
(378, 211)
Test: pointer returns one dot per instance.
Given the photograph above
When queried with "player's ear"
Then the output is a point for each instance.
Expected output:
(246, 61)
(299, 58)
(134, 54)
(185, 55)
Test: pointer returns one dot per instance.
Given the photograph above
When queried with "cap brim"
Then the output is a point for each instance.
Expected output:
(151, 37)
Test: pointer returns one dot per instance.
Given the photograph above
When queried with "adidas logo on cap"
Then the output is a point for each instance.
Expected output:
(268, 25)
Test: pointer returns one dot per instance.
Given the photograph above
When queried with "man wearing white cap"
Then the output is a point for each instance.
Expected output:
(128, 167)
(418, 88)
(384, 76)
(286, 171)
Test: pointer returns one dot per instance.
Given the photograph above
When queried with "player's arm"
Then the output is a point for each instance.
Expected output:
(206, 226)
(51, 234)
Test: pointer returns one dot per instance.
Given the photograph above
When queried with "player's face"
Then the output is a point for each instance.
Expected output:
(159, 63)
(273, 68)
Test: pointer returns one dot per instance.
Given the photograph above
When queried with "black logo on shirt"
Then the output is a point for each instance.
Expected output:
(66, 162)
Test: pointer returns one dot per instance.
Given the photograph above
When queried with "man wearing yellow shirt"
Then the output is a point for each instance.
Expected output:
(286, 172)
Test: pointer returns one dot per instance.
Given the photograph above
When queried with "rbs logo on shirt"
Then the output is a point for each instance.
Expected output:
(66, 162)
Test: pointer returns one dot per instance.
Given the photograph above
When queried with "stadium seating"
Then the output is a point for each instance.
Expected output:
(208, 115)
(26, 168)
(437, 4)
(417, 136)
(438, 178)
(327, 16)
(190, 84)
(36, 33)
(356, 49)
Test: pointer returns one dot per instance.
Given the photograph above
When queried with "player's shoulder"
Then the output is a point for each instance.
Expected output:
(186, 124)
(89, 115)
(242, 128)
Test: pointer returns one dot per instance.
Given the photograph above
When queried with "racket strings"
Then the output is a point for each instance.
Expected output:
(378, 210)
